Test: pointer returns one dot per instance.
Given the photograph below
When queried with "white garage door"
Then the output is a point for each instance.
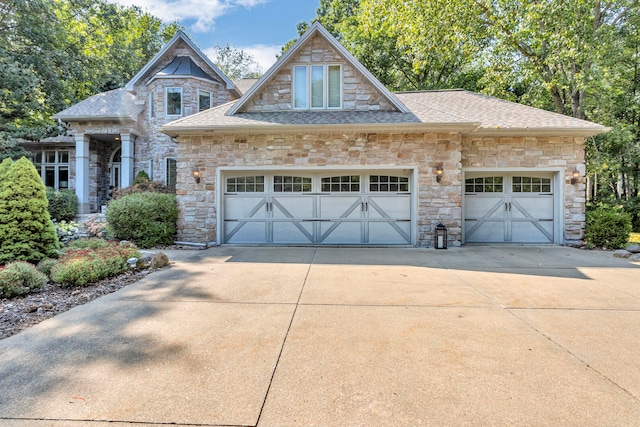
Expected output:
(340, 208)
(515, 207)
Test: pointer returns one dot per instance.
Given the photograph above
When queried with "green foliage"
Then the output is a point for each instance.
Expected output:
(91, 243)
(96, 225)
(10, 149)
(63, 204)
(79, 267)
(142, 187)
(46, 265)
(18, 278)
(148, 219)
(607, 228)
(141, 177)
(632, 208)
(26, 230)
(235, 63)
(66, 231)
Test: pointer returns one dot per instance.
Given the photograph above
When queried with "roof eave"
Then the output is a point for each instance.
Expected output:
(541, 131)
(461, 127)
(94, 118)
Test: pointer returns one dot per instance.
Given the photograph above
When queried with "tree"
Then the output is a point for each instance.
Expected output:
(26, 230)
(235, 63)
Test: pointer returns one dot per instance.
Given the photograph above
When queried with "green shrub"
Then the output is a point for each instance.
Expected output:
(46, 265)
(632, 207)
(141, 177)
(20, 277)
(607, 228)
(26, 230)
(63, 204)
(79, 267)
(91, 243)
(142, 187)
(148, 219)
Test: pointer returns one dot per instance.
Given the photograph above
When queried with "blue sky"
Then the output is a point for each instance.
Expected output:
(259, 27)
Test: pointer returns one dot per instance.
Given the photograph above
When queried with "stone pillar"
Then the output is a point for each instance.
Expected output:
(82, 174)
(126, 139)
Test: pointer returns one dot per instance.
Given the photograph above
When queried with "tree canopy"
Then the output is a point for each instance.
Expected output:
(235, 63)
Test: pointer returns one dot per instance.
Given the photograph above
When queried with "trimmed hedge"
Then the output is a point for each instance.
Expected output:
(148, 219)
(18, 278)
(607, 228)
(63, 204)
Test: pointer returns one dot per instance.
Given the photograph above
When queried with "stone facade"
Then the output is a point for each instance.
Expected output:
(436, 202)
(357, 93)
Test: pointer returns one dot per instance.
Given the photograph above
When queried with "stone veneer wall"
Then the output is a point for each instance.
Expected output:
(530, 152)
(357, 93)
(437, 202)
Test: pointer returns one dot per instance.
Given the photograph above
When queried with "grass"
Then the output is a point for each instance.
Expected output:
(634, 238)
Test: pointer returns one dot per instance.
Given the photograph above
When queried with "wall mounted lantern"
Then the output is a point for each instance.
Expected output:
(440, 237)
(575, 176)
(439, 172)
(196, 174)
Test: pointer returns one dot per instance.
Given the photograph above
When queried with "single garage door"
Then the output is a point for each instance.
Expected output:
(339, 208)
(509, 207)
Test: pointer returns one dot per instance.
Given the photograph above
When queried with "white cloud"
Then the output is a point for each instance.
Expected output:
(204, 12)
(264, 54)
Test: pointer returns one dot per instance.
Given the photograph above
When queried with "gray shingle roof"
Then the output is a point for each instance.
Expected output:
(493, 113)
(114, 104)
(452, 109)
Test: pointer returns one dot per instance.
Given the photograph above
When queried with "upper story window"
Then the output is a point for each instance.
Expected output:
(317, 86)
(174, 101)
(152, 111)
(204, 100)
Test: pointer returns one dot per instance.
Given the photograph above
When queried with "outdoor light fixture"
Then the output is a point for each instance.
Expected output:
(440, 237)
(575, 175)
(196, 174)
(439, 172)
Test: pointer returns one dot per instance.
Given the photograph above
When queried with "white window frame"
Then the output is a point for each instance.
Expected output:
(202, 92)
(325, 88)
(166, 102)
(166, 171)
(56, 165)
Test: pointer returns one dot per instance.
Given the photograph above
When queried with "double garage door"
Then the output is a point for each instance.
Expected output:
(338, 208)
(509, 207)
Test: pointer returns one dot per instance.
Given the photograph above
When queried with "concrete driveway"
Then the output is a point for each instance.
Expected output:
(342, 337)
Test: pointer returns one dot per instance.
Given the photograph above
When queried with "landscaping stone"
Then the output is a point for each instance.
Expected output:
(159, 260)
(635, 248)
(622, 253)
(634, 257)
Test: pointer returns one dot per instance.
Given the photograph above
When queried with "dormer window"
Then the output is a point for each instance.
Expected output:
(204, 100)
(174, 101)
(317, 87)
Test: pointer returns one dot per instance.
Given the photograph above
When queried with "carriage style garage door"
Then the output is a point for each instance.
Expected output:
(332, 208)
(513, 207)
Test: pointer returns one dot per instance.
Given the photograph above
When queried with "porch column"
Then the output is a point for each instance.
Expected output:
(82, 174)
(126, 139)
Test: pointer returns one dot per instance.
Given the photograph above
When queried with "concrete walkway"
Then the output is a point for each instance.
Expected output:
(342, 337)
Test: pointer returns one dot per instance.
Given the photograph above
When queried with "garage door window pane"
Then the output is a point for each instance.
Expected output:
(245, 184)
(341, 184)
(388, 183)
(291, 184)
(528, 184)
(488, 184)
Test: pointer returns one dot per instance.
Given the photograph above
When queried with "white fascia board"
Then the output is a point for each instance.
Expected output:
(542, 131)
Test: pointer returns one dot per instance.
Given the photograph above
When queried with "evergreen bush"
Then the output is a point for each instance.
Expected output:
(63, 204)
(148, 219)
(141, 177)
(79, 267)
(18, 278)
(26, 230)
(608, 228)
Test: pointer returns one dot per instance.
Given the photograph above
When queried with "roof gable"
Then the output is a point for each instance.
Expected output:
(317, 30)
(180, 37)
